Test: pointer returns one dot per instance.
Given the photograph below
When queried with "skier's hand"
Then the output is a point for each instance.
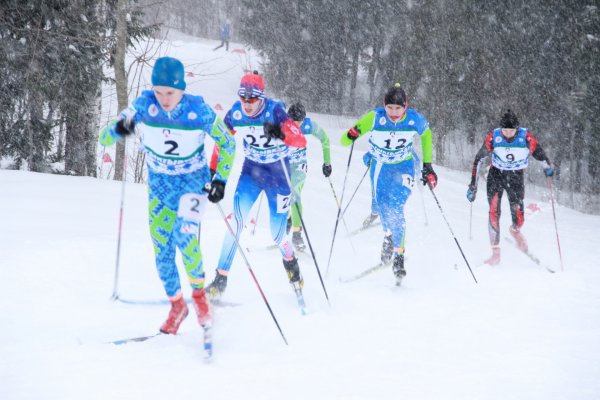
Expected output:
(471, 193)
(274, 130)
(549, 170)
(353, 133)
(216, 191)
(428, 176)
(125, 126)
(367, 159)
(326, 170)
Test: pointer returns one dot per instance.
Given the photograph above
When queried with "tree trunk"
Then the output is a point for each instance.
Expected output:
(121, 80)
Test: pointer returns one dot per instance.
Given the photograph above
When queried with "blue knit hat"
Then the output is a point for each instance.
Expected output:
(168, 71)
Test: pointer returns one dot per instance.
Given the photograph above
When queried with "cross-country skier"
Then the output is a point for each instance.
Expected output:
(173, 125)
(299, 166)
(509, 147)
(391, 131)
(268, 132)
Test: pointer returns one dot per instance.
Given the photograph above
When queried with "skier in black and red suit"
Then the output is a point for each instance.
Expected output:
(509, 147)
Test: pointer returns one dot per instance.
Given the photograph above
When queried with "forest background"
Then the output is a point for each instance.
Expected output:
(461, 62)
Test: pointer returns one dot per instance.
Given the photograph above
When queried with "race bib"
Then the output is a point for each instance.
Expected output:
(191, 207)
(172, 143)
(283, 203)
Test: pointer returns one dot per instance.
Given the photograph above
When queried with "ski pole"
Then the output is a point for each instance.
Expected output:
(355, 190)
(115, 294)
(549, 181)
(417, 165)
(471, 223)
(338, 203)
(289, 182)
(337, 220)
(257, 213)
(423, 204)
(454, 236)
(239, 246)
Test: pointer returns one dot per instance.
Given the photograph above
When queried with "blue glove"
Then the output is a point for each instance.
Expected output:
(549, 171)
(471, 193)
(367, 158)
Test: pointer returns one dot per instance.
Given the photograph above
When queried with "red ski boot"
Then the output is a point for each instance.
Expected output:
(519, 238)
(176, 316)
(202, 307)
(495, 258)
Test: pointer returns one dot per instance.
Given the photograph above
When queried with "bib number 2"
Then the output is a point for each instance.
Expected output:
(191, 207)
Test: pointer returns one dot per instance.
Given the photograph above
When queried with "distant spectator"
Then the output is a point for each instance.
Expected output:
(224, 35)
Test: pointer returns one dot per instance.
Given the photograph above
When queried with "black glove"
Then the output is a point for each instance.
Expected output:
(429, 176)
(353, 133)
(125, 127)
(274, 131)
(216, 191)
(326, 170)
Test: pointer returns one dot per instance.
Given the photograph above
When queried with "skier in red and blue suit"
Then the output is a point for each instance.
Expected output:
(269, 134)
(509, 147)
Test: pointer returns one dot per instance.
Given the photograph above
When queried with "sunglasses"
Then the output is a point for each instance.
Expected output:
(249, 100)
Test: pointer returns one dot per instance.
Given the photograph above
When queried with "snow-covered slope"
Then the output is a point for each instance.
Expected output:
(520, 333)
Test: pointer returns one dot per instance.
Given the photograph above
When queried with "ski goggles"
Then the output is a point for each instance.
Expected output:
(249, 100)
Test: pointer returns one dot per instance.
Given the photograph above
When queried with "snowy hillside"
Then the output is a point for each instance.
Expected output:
(520, 333)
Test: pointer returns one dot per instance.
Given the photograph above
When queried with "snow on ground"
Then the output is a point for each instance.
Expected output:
(520, 333)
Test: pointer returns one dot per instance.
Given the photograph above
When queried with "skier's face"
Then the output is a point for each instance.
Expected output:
(250, 105)
(508, 132)
(168, 97)
(394, 111)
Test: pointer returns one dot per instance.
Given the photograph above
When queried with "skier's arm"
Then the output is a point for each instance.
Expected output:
(365, 124)
(539, 154)
(118, 127)
(225, 146)
(293, 135)
(535, 149)
(320, 134)
(214, 158)
(427, 146)
(285, 129)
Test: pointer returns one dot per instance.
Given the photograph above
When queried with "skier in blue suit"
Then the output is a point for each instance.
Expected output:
(268, 134)
(173, 126)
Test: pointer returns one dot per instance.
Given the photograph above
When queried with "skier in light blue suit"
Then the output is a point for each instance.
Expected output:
(173, 126)
(391, 130)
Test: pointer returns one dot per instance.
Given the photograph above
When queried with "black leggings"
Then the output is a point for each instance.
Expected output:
(497, 182)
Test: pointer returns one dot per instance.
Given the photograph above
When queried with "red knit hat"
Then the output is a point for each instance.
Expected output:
(252, 85)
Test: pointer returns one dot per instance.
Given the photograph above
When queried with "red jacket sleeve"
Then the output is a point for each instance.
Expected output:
(293, 134)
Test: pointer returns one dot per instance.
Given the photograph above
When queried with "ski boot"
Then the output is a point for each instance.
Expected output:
(217, 287)
(293, 272)
(398, 268)
(519, 238)
(495, 258)
(369, 220)
(177, 314)
(297, 240)
(387, 250)
(202, 307)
